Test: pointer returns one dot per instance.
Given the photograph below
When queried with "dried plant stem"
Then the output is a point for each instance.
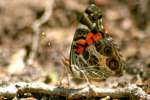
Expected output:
(129, 91)
(36, 29)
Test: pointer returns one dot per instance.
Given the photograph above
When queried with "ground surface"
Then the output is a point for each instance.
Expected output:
(130, 30)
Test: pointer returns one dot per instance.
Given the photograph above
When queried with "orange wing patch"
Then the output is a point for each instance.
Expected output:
(81, 44)
(79, 49)
(97, 37)
(89, 38)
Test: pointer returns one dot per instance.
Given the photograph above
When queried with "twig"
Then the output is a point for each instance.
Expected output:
(128, 91)
(36, 29)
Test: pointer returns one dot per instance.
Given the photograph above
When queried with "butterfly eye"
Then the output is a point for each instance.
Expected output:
(113, 64)
(108, 50)
(88, 11)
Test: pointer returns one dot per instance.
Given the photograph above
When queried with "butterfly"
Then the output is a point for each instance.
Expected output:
(93, 54)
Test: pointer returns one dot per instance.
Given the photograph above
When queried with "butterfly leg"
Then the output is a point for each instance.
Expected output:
(65, 62)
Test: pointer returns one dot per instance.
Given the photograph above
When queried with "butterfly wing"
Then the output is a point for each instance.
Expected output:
(93, 53)
(80, 34)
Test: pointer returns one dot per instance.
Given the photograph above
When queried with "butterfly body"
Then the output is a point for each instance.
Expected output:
(93, 54)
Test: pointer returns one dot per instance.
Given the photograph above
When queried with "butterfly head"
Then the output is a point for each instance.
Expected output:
(94, 13)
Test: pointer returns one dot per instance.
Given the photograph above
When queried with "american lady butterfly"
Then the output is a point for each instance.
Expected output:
(93, 54)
